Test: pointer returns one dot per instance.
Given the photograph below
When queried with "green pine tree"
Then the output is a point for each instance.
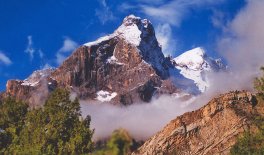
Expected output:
(57, 128)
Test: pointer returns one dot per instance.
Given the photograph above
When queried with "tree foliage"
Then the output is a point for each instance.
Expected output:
(120, 143)
(259, 84)
(12, 118)
(251, 142)
(57, 128)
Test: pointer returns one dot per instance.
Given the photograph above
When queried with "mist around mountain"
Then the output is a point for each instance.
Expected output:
(120, 94)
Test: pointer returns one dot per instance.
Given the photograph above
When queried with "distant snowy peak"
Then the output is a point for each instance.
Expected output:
(37, 76)
(196, 59)
(195, 65)
(193, 59)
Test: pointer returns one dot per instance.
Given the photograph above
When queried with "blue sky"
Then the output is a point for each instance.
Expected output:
(36, 34)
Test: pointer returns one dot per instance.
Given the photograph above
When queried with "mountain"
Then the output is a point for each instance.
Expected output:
(196, 65)
(212, 129)
(125, 67)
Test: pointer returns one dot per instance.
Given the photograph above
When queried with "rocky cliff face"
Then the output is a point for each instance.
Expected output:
(212, 129)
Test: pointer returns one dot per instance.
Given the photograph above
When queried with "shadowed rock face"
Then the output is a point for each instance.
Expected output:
(212, 129)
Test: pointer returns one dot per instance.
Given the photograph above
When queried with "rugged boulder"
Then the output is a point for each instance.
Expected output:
(212, 129)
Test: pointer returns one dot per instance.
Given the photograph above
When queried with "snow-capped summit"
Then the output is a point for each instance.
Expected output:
(130, 20)
(195, 64)
(193, 59)
(132, 30)
(141, 34)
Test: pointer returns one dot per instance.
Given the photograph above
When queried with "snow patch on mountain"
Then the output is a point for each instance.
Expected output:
(101, 39)
(114, 60)
(105, 96)
(130, 33)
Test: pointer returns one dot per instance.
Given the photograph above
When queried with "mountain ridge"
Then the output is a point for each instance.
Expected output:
(128, 66)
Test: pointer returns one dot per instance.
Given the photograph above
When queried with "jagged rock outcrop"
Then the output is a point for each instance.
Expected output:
(34, 89)
(212, 129)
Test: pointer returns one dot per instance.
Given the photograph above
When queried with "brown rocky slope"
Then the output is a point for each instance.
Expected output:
(212, 129)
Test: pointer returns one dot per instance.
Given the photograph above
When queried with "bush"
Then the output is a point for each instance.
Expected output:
(259, 85)
(253, 142)
(120, 143)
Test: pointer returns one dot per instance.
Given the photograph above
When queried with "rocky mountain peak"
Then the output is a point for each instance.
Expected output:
(130, 20)
(195, 65)
(125, 67)
(133, 20)
(193, 59)
(134, 30)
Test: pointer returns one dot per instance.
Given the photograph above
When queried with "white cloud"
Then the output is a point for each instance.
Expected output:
(152, 1)
(4, 59)
(104, 13)
(165, 38)
(68, 46)
(46, 66)
(242, 46)
(126, 6)
(30, 50)
(171, 12)
(141, 120)
(218, 19)
(167, 15)
(41, 54)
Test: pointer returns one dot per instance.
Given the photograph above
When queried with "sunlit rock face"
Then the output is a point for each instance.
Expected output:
(212, 129)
